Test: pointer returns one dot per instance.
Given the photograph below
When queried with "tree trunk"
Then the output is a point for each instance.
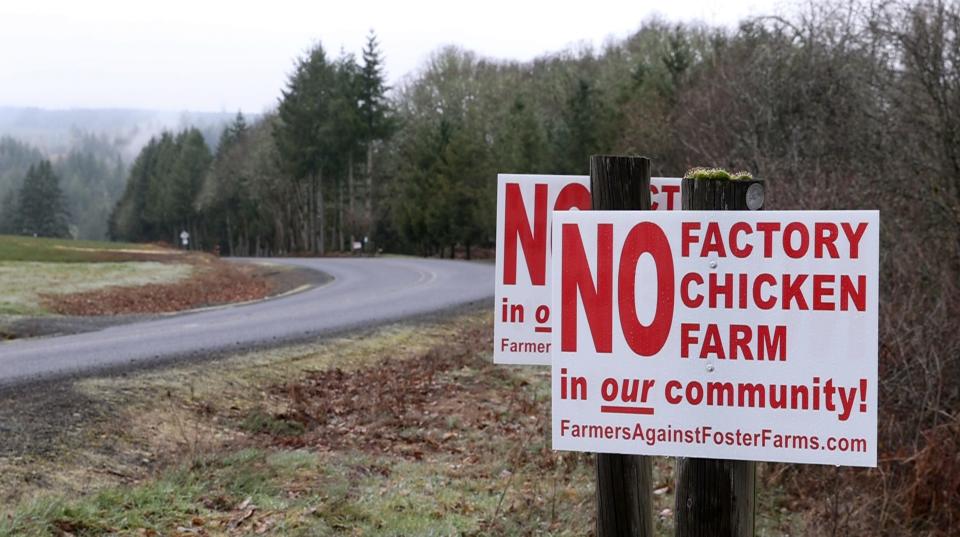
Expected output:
(351, 216)
(320, 202)
(340, 215)
(311, 214)
(368, 205)
(229, 236)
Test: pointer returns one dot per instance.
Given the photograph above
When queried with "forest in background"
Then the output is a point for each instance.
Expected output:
(838, 105)
(90, 153)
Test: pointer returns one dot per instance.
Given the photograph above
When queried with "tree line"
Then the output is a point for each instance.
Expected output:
(69, 195)
(299, 179)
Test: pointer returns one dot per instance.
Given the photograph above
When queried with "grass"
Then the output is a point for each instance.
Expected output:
(23, 282)
(204, 493)
(233, 447)
(32, 266)
(262, 422)
(17, 248)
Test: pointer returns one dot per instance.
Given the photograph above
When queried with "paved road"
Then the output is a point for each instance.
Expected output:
(363, 292)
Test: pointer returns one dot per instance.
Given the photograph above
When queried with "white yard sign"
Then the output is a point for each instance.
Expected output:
(730, 335)
(525, 204)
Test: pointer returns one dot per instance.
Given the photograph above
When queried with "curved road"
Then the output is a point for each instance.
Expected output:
(363, 292)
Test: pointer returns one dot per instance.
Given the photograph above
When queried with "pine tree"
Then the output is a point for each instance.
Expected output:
(232, 133)
(345, 114)
(42, 211)
(9, 214)
(374, 113)
(185, 180)
(305, 139)
(221, 195)
(580, 136)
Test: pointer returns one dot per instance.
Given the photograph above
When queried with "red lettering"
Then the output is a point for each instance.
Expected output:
(740, 336)
(668, 392)
(857, 294)
(573, 196)
(533, 242)
(712, 243)
(768, 229)
(854, 236)
(672, 192)
(796, 228)
(825, 235)
(822, 292)
(577, 279)
(688, 238)
(763, 303)
(776, 345)
(687, 339)
(792, 291)
(646, 237)
(726, 289)
(735, 230)
(712, 343)
(688, 301)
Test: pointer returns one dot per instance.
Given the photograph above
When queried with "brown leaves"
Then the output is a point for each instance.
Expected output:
(935, 491)
(437, 402)
(214, 282)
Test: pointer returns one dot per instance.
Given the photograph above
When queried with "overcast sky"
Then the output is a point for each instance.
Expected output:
(222, 56)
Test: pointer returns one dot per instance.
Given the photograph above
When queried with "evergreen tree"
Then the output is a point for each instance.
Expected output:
(185, 180)
(580, 136)
(15, 159)
(164, 184)
(232, 133)
(41, 210)
(223, 197)
(9, 217)
(89, 179)
(345, 113)
(304, 136)
(521, 145)
(374, 114)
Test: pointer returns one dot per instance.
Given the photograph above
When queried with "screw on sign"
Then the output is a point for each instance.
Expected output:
(741, 335)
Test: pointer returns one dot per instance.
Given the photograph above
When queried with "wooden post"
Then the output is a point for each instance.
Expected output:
(624, 482)
(715, 498)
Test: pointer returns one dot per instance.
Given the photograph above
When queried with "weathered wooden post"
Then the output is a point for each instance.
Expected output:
(624, 482)
(715, 498)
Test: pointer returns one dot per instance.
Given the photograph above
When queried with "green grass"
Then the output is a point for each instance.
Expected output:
(262, 422)
(206, 491)
(16, 248)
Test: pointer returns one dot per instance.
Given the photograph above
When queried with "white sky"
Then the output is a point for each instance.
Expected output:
(206, 55)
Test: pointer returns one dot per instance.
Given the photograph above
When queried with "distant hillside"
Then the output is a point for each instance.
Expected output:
(91, 151)
(54, 132)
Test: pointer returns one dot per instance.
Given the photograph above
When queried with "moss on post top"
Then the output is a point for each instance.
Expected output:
(717, 174)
